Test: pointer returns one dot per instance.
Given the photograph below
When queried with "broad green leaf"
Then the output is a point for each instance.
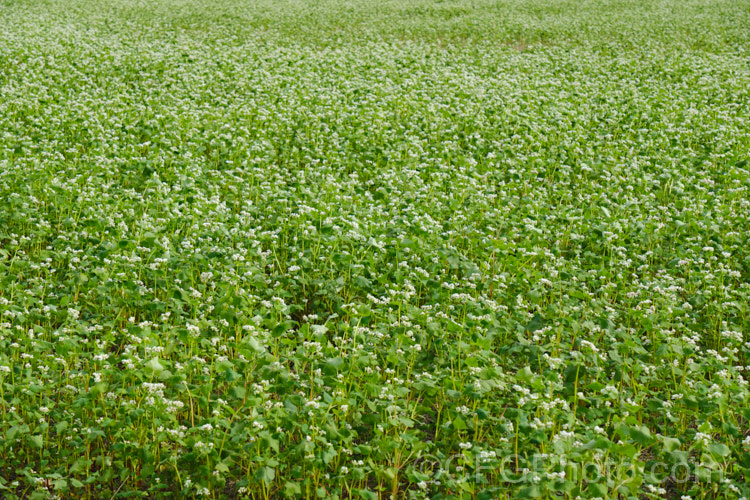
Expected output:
(719, 449)
(155, 365)
(670, 444)
(459, 424)
(641, 435)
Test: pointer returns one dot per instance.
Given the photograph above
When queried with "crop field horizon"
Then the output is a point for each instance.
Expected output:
(399, 249)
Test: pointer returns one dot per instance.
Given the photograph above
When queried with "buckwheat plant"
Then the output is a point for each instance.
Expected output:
(393, 249)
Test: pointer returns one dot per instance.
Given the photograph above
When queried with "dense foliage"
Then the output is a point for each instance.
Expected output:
(458, 249)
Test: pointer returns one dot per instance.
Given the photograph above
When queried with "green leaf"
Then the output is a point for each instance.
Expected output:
(670, 444)
(641, 435)
(98, 389)
(530, 492)
(719, 449)
(525, 374)
(290, 407)
(535, 324)
(14, 431)
(364, 449)
(155, 365)
(292, 489)
(238, 392)
(268, 440)
(255, 345)
(367, 494)
(224, 365)
(406, 422)
(332, 365)
(279, 329)
(459, 424)
(265, 474)
(597, 489)
(80, 465)
(36, 441)
(329, 454)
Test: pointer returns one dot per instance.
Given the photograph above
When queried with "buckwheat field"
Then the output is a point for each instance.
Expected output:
(392, 249)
